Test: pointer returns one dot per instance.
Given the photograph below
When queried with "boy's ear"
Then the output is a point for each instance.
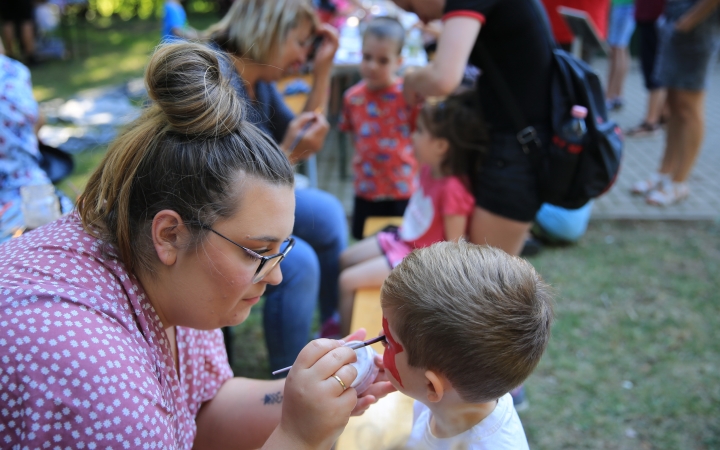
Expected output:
(436, 385)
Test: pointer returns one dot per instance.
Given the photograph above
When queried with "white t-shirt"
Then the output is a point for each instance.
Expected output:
(501, 430)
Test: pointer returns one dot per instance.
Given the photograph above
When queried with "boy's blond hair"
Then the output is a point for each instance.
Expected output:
(256, 29)
(472, 313)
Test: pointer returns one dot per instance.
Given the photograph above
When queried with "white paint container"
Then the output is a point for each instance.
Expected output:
(366, 368)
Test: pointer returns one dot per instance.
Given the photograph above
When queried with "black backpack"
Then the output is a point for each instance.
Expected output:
(568, 175)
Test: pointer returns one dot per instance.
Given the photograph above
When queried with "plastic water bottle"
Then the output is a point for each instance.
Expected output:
(575, 130)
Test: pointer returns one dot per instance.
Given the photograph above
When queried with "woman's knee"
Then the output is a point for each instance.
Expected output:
(301, 267)
(320, 218)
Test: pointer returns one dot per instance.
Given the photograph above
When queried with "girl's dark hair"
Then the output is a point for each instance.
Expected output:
(188, 152)
(459, 119)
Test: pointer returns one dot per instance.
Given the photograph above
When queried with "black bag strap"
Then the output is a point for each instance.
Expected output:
(527, 134)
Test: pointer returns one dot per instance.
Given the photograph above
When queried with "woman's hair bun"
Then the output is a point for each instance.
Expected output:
(185, 80)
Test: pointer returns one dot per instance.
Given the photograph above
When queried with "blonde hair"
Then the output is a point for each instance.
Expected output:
(186, 153)
(256, 29)
(473, 313)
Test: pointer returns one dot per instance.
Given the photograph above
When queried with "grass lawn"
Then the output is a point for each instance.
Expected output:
(634, 361)
(118, 51)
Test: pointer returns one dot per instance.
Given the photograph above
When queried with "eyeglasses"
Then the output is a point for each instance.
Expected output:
(267, 263)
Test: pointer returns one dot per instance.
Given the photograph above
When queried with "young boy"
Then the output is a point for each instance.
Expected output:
(375, 112)
(465, 324)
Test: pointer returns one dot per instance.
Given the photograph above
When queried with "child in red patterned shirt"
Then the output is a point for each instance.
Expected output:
(375, 112)
(449, 135)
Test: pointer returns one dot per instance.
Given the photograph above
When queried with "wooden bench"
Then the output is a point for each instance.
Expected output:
(387, 423)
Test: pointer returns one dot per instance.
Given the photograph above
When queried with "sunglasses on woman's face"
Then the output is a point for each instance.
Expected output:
(267, 263)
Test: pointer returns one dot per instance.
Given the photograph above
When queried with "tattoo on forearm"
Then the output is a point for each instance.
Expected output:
(273, 399)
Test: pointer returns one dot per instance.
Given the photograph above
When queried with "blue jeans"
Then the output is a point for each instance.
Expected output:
(310, 271)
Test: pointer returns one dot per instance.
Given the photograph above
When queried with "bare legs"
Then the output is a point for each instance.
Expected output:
(619, 65)
(497, 231)
(656, 106)
(686, 127)
(27, 36)
(362, 266)
(685, 131)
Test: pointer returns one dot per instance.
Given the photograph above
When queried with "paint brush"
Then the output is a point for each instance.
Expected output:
(354, 346)
(302, 132)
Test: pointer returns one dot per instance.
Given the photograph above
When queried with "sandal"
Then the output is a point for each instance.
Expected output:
(644, 129)
(667, 194)
(644, 187)
(614, 104)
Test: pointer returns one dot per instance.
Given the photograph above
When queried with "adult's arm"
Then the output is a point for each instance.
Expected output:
(444, 73)
(242, 415)
(699, 11)
(322, 71)
(299, 137)
(248, 414)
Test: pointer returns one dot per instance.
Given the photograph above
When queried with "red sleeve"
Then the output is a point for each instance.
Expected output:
(456, 200)
(474, 9)
(466, 13)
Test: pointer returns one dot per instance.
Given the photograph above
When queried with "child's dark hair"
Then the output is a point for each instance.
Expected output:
(473, 313)
(386, 28)
(458, 119)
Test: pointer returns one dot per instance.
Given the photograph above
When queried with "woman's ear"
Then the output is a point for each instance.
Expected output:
(168, 233)
(436, 385)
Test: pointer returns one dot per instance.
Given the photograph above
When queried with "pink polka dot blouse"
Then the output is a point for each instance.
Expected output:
(84, 360)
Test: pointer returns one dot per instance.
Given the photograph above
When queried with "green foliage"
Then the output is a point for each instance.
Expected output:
(144, 9)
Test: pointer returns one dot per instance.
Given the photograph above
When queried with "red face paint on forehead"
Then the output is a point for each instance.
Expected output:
(392, 349)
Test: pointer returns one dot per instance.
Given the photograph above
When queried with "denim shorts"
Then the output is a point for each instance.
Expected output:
(621, 26)
(684, 58)
(505, 183)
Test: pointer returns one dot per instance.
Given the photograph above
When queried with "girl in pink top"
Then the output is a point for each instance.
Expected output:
(110, 317)
(446, 135)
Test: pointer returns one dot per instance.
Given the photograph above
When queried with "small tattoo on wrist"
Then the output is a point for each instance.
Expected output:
(273, 399)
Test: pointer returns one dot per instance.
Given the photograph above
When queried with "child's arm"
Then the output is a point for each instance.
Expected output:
(345, 124)
(455, 226)
(457, 204)
(188, 33)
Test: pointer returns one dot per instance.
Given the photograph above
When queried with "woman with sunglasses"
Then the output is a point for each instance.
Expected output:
(263, 40)
(109, 331)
